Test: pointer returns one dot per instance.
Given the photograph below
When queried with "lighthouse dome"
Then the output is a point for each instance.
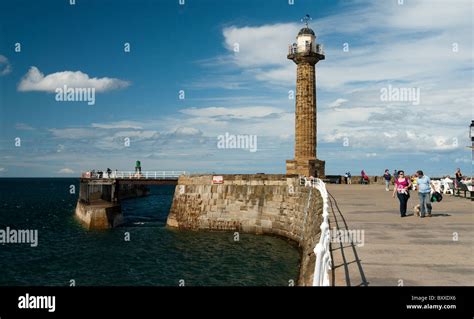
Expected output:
(306, 31)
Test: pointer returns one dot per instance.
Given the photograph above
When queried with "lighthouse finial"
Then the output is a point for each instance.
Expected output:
(305, 19)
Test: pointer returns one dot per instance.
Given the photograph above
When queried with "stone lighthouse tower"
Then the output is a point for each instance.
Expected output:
(305, 53)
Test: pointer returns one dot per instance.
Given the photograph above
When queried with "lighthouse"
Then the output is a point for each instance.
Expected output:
(305, 53)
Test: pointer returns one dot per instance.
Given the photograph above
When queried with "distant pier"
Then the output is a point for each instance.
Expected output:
(98, 206)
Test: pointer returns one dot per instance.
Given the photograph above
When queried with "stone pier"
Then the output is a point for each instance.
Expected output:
(98, 206)
(99, 214)
(259, 204)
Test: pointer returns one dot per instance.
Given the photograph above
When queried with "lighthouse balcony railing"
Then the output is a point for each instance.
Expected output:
(319, 49)
(294, 49)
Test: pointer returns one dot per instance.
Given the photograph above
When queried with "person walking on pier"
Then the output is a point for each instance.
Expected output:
(402, 186)
(364, 178)
(387, 178)
(458, 178)
(424, 193)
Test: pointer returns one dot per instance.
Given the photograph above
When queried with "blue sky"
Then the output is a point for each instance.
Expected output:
(425, 45)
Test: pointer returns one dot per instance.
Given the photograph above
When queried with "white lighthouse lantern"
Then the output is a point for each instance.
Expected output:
(306, 40)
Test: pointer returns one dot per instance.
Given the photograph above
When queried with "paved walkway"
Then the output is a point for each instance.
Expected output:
(411, 251)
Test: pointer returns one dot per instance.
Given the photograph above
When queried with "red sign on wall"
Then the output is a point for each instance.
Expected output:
(217, 179)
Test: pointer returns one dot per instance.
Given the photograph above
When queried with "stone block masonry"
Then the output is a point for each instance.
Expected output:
(305, 123)
(259, 204)
(99, 215)
(98, 206)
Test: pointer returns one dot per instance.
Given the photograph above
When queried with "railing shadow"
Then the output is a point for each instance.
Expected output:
(357, 259)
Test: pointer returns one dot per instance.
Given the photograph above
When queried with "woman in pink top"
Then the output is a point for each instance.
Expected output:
(402, 186)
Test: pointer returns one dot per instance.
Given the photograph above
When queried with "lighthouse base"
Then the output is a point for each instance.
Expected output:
(309, 167)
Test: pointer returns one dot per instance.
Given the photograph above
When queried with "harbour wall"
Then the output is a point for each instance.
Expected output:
(260, 204)
(98, 206)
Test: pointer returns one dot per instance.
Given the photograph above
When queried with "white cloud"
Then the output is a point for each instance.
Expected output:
(118, 125)
(407, 141)
(429, 14)
(2, 169)
(137, 134)
(34, 80)
(280, 75)
(73, 133)
(23, 127)
(65, 171)
(187, 131)
(260, 45)
(103, 136)
(348, 119)
(463, 160)
(232, 112)
(337, 103)
(5, 66)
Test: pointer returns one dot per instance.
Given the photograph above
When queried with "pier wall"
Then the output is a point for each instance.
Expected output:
(131, 191)
(259, 204)
(339, 179)
(372, 180)
(98, 206)
(99, 215)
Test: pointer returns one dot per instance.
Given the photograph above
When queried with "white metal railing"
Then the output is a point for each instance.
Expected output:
(135, 175)
(322, 250)
(305, 48)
